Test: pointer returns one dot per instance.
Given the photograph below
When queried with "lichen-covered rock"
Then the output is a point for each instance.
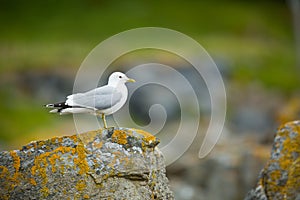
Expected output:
(280, 179)
(115, 163)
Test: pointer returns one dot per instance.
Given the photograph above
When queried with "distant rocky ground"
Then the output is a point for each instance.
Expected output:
(237, 164)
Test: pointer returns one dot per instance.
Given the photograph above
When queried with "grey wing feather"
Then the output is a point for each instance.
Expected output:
(99, 98)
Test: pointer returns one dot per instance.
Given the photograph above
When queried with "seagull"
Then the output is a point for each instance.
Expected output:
(102, 101)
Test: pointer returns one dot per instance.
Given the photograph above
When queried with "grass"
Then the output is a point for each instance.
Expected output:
(255, 38)
(19, 116)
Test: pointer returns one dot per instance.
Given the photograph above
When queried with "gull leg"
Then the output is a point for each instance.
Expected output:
(104, 120)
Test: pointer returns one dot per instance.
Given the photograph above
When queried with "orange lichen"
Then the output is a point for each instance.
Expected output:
(64, 150)
(40, 166)
(41, 161)
(293, 183)
(45, 192)
(16, 163)
(11, 180)
(119, 137)
(4, 171)
(272, 183)
(53, 140)
(16, 159)
(5, 197)
(32, 181)
(288, 142)
(52, 160)
(5, 174)
(41, 143)
(80, 185)
(147, 136)
(62, 169)
(97, 145)
(80, 161)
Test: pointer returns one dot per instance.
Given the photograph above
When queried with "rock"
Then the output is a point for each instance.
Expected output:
(115, 163)
(280, 177)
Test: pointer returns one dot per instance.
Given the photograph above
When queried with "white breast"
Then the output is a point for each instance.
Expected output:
(123, 89)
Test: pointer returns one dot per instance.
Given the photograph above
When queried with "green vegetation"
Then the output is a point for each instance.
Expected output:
(254, 37)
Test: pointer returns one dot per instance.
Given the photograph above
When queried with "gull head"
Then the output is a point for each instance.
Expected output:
(118, 78)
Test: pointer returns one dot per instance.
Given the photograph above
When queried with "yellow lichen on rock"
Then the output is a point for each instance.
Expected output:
(16, 159)
(280, 178)
(32, 181)
(293, 183)
(52, 160)
(119, 136)
(3, 172)
(80, 161)
(45, 192)
(288, 142)
(149, 138)
(12, 179)
(5, 175)
(64, 150)
(83, 166)
(41, 161)
(40, 166)
(16, 164)
(81, 185)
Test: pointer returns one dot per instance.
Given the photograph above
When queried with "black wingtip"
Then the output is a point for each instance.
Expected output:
(49, 105)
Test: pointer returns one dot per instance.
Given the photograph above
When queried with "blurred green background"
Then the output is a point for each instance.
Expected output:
(42, 44)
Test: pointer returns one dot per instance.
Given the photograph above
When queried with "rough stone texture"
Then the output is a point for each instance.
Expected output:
(116, 163)
(280, 179)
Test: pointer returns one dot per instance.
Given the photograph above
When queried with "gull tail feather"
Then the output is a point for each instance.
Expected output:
(54, 110)
(58, 107)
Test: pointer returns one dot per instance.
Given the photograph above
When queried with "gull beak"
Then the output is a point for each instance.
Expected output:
(131, 80)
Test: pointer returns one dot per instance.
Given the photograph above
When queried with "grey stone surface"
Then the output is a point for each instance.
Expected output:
(116, 163)
(279, 179)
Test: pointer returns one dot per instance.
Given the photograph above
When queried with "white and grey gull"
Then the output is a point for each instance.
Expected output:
(102, 101)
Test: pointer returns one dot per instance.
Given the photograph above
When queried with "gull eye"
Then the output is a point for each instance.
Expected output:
(120, 76)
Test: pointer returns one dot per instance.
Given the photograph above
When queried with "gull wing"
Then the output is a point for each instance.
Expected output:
(96, 99)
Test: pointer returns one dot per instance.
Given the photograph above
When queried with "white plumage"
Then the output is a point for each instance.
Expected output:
(104, 100)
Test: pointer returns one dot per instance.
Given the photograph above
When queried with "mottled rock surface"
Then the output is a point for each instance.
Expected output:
(280, 178)
(115, 163)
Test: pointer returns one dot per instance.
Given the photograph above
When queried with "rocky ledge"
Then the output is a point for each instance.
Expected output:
(280, 177)
(115, 163)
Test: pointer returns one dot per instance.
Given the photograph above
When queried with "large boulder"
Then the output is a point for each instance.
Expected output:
(280, 178)
(115, 163)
